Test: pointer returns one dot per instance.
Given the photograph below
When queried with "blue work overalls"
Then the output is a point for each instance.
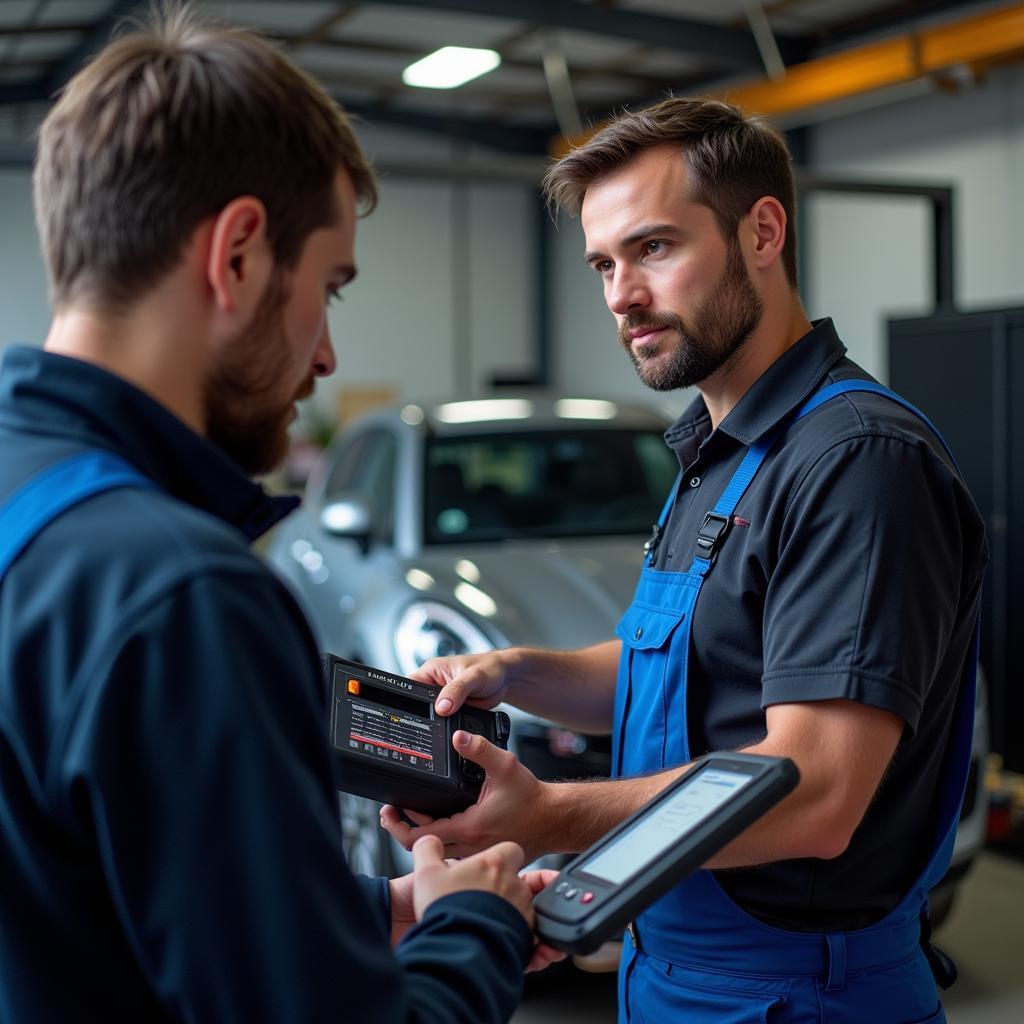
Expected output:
(695, 956)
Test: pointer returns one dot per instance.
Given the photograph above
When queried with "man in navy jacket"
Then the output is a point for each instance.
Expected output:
(168, 835)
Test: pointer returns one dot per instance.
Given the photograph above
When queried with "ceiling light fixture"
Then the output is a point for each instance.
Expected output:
(449, 67)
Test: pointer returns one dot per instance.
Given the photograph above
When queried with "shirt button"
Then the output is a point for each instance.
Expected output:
(695, 481)
(639, 632)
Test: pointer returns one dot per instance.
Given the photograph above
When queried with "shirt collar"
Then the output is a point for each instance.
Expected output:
(50, 394)
(792, 378)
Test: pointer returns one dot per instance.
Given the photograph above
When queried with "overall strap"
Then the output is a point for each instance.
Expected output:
(54, 490)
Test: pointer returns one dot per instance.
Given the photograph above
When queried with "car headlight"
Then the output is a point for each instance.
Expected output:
(429, 629)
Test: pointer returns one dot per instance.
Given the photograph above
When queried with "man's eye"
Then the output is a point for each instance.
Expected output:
(653, 246)
(602, 266)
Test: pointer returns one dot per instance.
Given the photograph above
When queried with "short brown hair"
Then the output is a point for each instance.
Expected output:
(165, 127)
(733, 161)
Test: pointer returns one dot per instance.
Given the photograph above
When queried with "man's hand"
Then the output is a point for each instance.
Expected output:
(480, 677)
(493, 870)
(403, 908)
(403, 914)
(543, 955)
(574, 688)
(513, 804)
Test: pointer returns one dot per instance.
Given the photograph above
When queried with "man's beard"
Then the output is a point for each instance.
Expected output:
(245, 414)
(723, 323)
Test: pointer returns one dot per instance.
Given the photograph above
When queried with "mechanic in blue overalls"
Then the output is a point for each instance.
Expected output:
(810, 591)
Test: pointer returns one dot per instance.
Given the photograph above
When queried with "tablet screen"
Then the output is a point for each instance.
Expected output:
(669, 822)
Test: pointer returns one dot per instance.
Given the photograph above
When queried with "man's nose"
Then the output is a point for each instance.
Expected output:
(627, 292)
(324, 362)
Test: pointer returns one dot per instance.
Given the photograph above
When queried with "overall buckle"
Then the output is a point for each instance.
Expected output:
(711, 534)
(652, 542)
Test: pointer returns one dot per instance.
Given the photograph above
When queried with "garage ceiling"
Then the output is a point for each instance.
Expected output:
(601, 54)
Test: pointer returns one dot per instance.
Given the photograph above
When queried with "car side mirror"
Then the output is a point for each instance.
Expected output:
(349, 516)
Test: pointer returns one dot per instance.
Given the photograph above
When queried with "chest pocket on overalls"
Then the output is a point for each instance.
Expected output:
(656, 641)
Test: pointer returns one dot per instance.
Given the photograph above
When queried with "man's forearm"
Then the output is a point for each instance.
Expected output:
(840, 748)
(574, 688)
(816, 820)
(581, 812)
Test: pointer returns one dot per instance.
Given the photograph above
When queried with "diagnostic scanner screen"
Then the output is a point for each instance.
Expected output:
(656, 832)
(391, 727)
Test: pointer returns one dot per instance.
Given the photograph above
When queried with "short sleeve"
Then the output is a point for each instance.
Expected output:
(867, 585)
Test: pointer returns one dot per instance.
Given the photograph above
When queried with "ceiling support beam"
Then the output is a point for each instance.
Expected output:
(485, 132)
(92, 42)
(733, 46)
(969, 41)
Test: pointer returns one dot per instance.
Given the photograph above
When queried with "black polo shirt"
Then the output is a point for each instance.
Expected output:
(852, 570)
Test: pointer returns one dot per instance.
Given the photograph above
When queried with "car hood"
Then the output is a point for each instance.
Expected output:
(548, 593)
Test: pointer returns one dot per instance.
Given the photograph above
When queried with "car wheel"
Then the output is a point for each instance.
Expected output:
(368, 848)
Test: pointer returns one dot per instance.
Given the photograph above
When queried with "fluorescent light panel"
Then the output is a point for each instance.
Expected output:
(485, 409)
(449, 67)
(585, 409)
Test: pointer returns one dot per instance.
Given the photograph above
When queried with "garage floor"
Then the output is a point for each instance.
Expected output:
(984, 934)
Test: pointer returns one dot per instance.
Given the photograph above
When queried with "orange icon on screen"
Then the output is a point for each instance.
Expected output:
(353, 686)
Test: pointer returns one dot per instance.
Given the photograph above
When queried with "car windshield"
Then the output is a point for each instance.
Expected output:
(545, 484)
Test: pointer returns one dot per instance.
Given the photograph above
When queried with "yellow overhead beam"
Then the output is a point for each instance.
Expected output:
(987, 38)
(891, 62)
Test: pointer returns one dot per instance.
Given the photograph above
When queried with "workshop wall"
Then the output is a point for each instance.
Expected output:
(25, 316)
(446, 293)
(870, 257)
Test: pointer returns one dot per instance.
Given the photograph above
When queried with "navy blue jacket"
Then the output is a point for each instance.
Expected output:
(169, 843)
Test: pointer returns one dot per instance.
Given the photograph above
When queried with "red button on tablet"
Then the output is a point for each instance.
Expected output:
(586, 897)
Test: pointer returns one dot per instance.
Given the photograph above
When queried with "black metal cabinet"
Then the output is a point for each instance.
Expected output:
(965, 371)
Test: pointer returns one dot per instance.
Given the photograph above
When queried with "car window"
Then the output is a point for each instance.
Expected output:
(374, 480)
(367, 468)
(545, 484)
(343, 472)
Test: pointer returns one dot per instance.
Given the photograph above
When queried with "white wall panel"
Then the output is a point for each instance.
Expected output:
(446, 294)
(871, 259)
(24, 306)
(868, 257)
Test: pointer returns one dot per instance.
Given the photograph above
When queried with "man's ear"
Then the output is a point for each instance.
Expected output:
(239, 261)
(766, 231)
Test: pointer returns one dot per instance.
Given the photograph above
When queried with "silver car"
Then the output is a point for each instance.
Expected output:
(466, 526)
